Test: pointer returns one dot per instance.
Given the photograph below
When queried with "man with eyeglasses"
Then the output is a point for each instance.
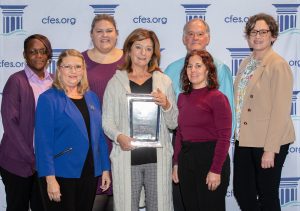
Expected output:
(196, 36)
(20, 95)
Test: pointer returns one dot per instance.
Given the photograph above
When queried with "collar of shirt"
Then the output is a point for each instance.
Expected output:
(34, 78)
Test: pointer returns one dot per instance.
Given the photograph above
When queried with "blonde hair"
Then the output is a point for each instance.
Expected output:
(83, 85)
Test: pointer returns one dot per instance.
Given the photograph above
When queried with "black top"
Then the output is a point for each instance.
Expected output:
(88, 168)
(142, 155)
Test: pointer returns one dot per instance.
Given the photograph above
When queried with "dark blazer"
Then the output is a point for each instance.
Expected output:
(17, 111)
(61, 137)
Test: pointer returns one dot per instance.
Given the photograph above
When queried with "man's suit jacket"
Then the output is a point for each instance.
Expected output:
(61, 137)
(265, 117)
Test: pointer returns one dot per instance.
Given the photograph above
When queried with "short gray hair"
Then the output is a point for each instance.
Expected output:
(196, 20)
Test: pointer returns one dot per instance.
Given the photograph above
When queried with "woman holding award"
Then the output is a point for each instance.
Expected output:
(135, 168)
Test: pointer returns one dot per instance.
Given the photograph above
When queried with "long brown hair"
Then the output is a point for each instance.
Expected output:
(138, 35)
(208, 61)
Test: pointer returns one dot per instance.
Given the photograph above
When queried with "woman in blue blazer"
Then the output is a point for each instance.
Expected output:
(71, 151)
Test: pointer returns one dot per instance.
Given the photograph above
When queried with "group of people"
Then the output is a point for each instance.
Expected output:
(67, 145)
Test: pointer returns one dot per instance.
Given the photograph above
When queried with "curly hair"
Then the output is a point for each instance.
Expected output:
(270, 21)
(208, 61)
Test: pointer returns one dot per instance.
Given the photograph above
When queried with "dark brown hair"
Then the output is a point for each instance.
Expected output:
(42, 39)
(208, 61)
(270, 21)
(139, 35)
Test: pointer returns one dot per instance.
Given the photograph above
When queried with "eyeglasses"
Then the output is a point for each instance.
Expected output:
(42, 51)
(69, 67)
(261, 33)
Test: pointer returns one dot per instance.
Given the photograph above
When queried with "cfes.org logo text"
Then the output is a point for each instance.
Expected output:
(142, 19)
(54, 20)
(4, 63)
(294, 63)
(235, 19)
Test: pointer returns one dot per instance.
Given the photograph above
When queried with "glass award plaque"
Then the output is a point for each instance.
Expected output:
(144, 120)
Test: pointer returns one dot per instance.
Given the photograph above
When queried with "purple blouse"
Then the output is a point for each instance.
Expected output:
(98, 76)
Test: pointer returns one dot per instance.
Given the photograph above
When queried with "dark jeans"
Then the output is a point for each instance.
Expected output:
(21, 192)
(255, 188)
(195, 160)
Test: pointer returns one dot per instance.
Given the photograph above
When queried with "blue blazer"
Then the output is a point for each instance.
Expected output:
(61, 137)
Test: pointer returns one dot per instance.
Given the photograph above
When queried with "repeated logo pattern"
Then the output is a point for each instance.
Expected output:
(12, 18)
(195, 11)
(286, 16)
(55, 55)
(237, 56)
(108, 9)
(288, 191)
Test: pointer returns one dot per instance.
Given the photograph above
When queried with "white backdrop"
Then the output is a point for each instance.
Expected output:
(67, 25)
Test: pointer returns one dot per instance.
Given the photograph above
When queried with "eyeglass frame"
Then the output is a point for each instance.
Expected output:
(34, 52)
(262, 32)
(69, 68)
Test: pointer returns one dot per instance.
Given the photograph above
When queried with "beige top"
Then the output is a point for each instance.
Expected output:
(265, 117)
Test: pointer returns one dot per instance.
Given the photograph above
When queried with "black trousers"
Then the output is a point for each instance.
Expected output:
(21, 192)
(194, 163)
(255, 188)
(177, 199)
(78, 194)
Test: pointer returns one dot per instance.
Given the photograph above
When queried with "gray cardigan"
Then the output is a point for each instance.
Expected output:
(115, 122)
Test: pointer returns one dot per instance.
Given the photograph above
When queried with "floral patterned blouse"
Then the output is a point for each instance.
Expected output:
(242, 86)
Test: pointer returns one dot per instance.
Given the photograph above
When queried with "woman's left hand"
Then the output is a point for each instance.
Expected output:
(267, 160)
(105, 181)
(161, 99)
(213, 181)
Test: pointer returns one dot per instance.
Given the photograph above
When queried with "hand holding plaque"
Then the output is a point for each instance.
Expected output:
(144, 120)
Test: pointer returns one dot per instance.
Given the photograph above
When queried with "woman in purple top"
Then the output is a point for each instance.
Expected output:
(201, 161)
(102, 61)
(20, 95)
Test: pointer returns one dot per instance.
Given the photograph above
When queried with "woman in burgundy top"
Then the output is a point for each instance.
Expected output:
(201, 161)
(102, 61)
